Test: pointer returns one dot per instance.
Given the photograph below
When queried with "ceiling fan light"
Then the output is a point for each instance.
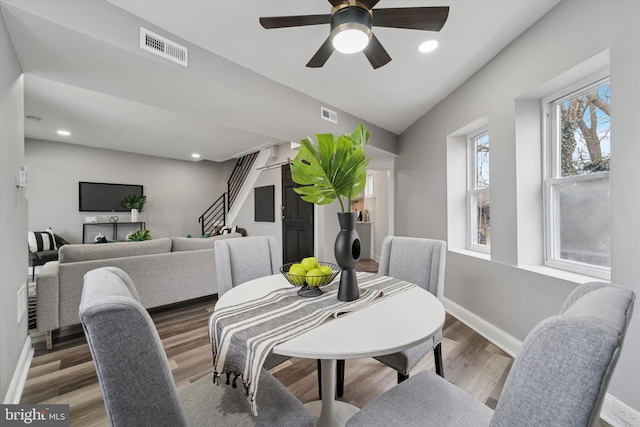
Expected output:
(351, 29)
(352, 38)
(428, 46)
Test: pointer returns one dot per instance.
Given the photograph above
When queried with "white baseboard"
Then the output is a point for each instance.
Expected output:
(512, 346)
(495, 335)
(20, 374)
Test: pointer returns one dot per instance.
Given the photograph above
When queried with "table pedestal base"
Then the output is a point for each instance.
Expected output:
(342, 411)
(328, 411)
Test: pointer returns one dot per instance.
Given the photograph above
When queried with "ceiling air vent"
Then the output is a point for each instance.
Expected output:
(329, 115)
(163, 47)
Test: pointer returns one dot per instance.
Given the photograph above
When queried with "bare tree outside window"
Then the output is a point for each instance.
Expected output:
(585, 143)
(579, 185)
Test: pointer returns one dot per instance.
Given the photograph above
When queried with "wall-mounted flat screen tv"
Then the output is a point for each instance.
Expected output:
(102, 197)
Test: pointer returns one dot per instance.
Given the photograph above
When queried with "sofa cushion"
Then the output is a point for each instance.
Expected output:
(193, 244)
(89, 252)
(44, 256)
(41, 240)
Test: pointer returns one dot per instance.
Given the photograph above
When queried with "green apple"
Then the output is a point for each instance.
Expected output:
(297, 274)
(309, 263)
(315, 277)
(326, 273)
(325, 269)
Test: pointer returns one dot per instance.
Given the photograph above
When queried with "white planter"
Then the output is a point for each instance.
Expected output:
(134, 215)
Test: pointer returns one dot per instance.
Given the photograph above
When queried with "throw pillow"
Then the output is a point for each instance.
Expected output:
(229, 230)
(41, 240)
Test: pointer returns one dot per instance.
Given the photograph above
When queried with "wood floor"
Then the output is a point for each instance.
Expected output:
(67, 374)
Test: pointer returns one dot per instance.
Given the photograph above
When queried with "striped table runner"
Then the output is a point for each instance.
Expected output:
(244, 334)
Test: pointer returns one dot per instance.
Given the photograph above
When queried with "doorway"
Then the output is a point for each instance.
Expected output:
(297, 221)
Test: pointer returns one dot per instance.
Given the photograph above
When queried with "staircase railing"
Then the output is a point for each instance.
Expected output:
(215, 216)
(239, 174)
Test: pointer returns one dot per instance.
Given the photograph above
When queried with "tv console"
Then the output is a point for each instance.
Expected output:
(114, 228)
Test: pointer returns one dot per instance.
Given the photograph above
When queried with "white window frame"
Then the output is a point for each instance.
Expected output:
(472, 192)
(552, 179)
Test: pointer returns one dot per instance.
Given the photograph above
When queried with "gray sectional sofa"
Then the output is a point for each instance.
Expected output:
(165, 271)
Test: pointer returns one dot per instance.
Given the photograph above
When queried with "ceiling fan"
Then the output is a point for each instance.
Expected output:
(351, 27)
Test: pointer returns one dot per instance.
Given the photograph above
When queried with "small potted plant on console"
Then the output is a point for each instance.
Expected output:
(135, 203)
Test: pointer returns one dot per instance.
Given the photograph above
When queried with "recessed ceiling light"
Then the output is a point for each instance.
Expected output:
(428, 46)
(64, 132)
(195, 155)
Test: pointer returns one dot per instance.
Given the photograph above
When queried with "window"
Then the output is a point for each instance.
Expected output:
(577, 181)
(478, 213)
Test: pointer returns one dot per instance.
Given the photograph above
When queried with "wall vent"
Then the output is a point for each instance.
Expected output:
(328, 115)
(163, 47)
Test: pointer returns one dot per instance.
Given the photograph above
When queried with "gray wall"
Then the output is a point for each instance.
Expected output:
(507, 290)
(178, 192)
(13, 211)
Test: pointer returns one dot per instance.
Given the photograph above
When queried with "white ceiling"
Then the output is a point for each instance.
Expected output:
(84, 74)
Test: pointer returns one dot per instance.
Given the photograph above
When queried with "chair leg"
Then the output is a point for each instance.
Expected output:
(49, 340)
(340, 378)
(319, 379)
(437, 356)
(33, 273)
(402, 377)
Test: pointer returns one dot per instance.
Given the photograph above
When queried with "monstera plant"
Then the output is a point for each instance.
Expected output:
(334, 168)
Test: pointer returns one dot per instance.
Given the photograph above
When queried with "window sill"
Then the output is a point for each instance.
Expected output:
(475, 254)
(538, 269)
(562, 274)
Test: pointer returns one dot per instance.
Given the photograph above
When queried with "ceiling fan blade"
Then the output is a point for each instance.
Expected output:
(337, 2)
(369, 3)
(294, 21)
(412, 18)
(375, 53)
(321, 55)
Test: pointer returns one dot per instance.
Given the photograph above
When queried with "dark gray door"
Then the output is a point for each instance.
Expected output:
(297, 222)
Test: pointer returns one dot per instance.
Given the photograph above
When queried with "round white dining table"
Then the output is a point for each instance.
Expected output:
(390, 325)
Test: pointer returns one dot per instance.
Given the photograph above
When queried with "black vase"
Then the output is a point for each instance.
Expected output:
(347, 252)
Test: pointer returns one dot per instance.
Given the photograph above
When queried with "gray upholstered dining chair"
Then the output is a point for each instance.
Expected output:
(419, 261)
(135, 377)
(244, 259)
(560, 377)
